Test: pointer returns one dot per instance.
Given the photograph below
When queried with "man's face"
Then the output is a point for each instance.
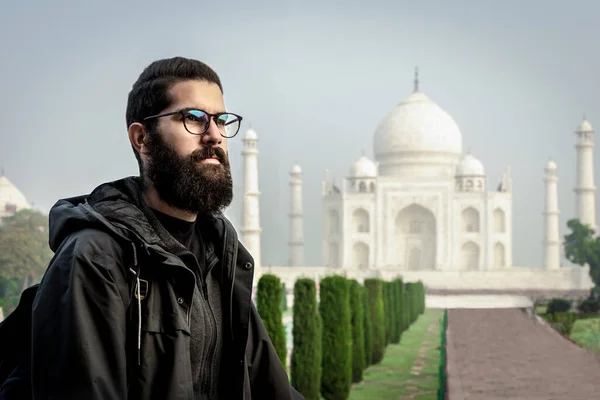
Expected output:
(190, 172)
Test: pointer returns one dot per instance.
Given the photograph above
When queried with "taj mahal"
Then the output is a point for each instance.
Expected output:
(424, 210)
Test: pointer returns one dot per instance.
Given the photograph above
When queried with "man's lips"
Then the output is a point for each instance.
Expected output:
(212, 160)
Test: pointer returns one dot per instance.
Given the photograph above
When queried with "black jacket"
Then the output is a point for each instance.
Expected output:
(94, 338)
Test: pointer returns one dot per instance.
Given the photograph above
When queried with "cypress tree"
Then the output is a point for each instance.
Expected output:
(399, 289)
(268, 305)
(368, 327)
(306, 367)
(388, 312)
(375, 288)
(337, 338)
(408, 286)
(395, 333)
(284, 305)
(421, 297)
(358, 331)
(406, 308)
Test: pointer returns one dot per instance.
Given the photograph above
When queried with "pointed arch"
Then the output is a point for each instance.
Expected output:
(360, 221)
(470, 220)
(334, 222)
(360, 256)
(470, 255)
(499, 255)
(415, 238)
(499, 220)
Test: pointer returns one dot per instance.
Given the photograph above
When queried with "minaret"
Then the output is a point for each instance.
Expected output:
(585, 190)
(551, 222)
(296, 243)
(250, 232)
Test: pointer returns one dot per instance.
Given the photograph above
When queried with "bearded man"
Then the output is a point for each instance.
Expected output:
(148, 295)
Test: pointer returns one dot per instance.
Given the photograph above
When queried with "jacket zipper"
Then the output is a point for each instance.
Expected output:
(209, 381)
(189, 310)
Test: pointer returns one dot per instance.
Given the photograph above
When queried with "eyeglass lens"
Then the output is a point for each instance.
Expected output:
(197, 122)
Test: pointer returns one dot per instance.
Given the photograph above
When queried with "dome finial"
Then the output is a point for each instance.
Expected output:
(363, 152)
(416, 81)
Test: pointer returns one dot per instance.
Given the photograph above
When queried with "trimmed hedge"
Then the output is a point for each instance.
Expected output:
(284, 304)
(397, 293)
(413, 301)
(558, 305)
(376, 306)
(406, 307)
(268, 305)
(368, 327)
(306, 364)
(358, 331)
(563, 322)
(389, 311)
(421, 297)
(337, 338)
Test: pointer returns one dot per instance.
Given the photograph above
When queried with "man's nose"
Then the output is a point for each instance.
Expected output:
(212, 136)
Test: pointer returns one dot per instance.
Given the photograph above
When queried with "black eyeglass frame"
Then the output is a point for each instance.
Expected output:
(183, 111)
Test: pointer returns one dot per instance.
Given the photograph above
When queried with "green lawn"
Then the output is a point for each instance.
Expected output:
(392, 378)
(586, 333)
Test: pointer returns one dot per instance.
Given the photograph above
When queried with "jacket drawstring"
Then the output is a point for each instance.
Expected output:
(136, 272)
(139, 333)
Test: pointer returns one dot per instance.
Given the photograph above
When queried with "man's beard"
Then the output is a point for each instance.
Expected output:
(186, 184)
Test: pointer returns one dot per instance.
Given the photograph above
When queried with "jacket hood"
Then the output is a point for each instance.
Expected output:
(116, 207)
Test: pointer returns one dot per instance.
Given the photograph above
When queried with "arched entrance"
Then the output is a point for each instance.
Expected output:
(415, 238)
(470, 256)
(360, 256)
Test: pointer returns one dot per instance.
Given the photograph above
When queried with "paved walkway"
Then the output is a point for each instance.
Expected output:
(506, 354)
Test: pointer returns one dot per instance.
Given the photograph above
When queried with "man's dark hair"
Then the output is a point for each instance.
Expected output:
(150, 93)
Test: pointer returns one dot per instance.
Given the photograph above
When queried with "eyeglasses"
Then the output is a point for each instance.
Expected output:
(197, 122)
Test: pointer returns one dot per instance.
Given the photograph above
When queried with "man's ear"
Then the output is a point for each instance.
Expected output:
(138, 137)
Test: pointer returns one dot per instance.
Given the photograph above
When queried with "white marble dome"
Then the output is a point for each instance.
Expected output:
(251, 134)
(551, 166)
(470, 166)
(417, 125)
(364, 168)
(296, 170)
(10, 195)
(585, 126)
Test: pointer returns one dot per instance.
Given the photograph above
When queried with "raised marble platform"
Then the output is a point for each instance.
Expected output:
(477, 301)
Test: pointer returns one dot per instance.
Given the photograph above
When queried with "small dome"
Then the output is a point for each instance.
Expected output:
(364, 168)
(551, 165)
(470, 166)
(10, 195)
(296, 170)
(585, 126)
(250, 135)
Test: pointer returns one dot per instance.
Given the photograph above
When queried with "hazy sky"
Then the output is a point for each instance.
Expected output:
(314, 80)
